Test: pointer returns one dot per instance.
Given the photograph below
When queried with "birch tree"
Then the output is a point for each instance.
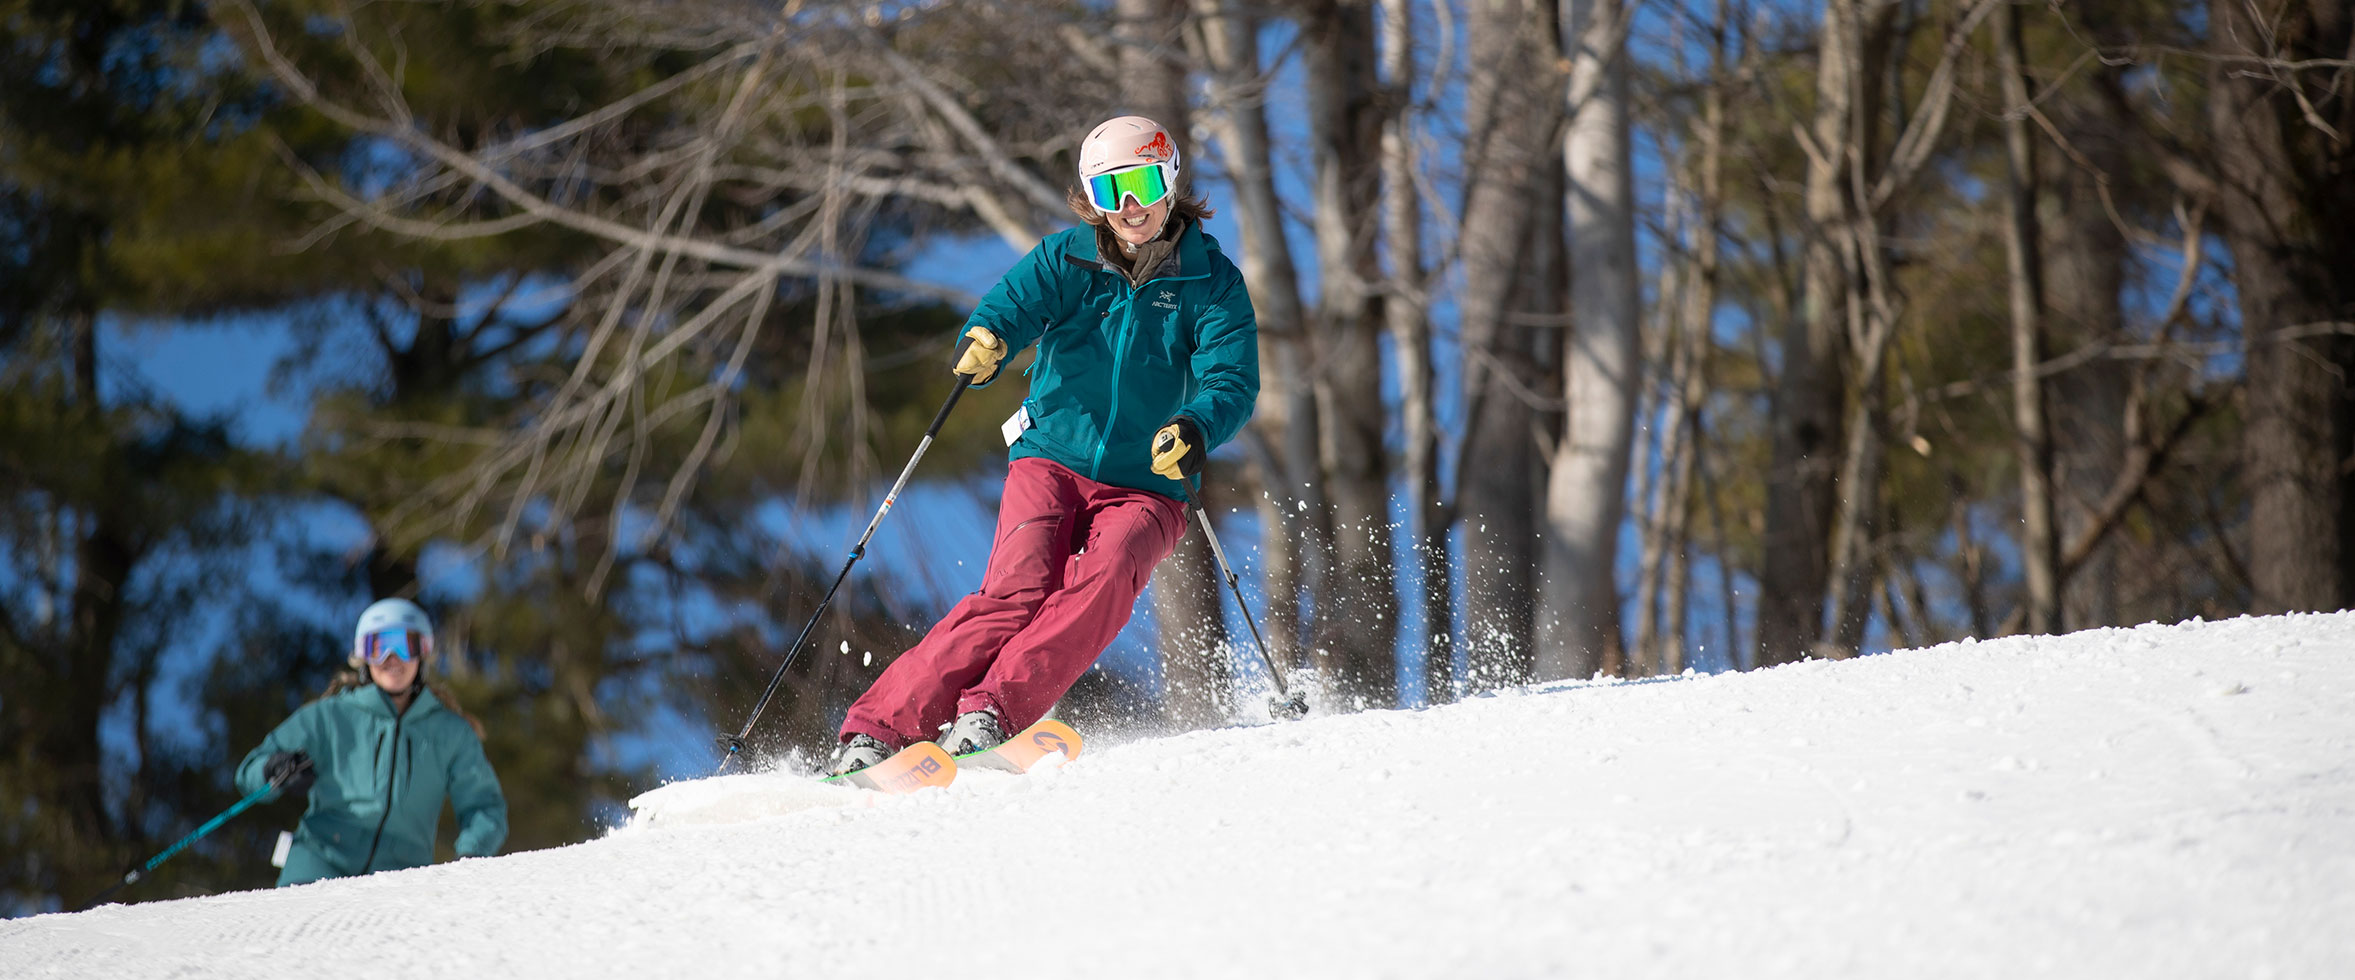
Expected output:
(1512, 117)
(1282, 436)
(1407, 317)
(1357, 626)
(1689, 300)
(2085, 262)
(2039, 544)
(1578, 623)
(1811, 390)
(1853, 181)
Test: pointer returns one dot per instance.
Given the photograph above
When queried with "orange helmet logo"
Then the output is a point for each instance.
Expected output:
(1158, 149)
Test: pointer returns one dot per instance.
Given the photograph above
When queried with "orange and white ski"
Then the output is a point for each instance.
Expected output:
(1027, 748)
(919, 766)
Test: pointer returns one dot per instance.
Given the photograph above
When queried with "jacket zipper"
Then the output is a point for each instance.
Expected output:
(1128, 332)
(392, 773)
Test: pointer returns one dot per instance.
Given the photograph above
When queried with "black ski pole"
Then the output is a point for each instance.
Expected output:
(132, 876)
(1286, 703)
(735, 743)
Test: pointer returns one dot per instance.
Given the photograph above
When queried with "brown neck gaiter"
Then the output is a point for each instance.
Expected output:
(1154, 258)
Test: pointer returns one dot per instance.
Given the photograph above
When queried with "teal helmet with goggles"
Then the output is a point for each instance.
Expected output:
(391, 628)
(1128, 158)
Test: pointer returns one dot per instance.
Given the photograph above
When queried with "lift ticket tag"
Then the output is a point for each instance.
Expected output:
(1015, 423)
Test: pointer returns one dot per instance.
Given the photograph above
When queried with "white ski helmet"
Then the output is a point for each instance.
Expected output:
(1124, 143)
(390, 614)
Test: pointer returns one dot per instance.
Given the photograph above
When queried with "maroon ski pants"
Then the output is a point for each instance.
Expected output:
(1070, 558)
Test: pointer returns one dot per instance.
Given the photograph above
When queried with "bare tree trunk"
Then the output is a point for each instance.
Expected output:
(1907, 632)
(1153, 64)
(2084, 275)
(1407, 315)
(1664, 651)
(1857, 507)
(1664, 567)
(1812, 387)
(1512, 110)
(1727, 600)
(1871, 322)
(65, 719)
(1875, 306)
(1970, 557)
(2032, 439)
(1586, 496)
(2285, 156)
(1872, 306)
(1355, 639)
(1663, 345)
(1693, 348)
(1283, 430)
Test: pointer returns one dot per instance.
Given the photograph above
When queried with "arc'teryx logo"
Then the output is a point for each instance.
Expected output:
(1167, 300)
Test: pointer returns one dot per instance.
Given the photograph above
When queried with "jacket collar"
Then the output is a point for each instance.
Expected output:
(373, 700)
(1193, 251)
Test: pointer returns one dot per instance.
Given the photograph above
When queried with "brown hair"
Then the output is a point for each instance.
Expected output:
(350, 678)
(1192, 207)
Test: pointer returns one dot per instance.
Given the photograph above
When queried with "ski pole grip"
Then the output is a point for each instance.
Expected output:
(964, 381)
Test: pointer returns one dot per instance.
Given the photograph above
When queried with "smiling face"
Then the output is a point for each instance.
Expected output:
(394, 674)
(1135, 225)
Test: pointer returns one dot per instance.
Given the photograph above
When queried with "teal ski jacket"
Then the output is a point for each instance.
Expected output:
(382, 780)
(1117, 362)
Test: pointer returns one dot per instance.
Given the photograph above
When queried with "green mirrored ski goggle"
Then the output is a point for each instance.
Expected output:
(1148, 183)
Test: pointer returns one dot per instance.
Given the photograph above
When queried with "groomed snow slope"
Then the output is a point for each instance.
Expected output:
(2172, 801)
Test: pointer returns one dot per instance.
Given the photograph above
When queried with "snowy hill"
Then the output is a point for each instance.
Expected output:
(2170, 801)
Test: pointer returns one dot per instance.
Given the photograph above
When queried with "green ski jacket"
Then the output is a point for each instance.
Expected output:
(382, 780)
(1117, 362)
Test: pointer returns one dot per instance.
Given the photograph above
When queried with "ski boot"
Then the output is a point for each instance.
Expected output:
(973, 731)
(859, 752)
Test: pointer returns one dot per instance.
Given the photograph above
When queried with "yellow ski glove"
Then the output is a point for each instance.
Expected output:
(1177, 449)
(980, 356)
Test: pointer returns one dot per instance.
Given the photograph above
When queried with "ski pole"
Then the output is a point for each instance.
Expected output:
(132, 876)
(1286, 704)
(734, 744)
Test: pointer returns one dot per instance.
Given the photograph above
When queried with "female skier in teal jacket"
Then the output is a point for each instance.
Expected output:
(378, 755)
(1148, 359)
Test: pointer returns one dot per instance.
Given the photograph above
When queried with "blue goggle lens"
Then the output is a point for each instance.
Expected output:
(382, 646)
